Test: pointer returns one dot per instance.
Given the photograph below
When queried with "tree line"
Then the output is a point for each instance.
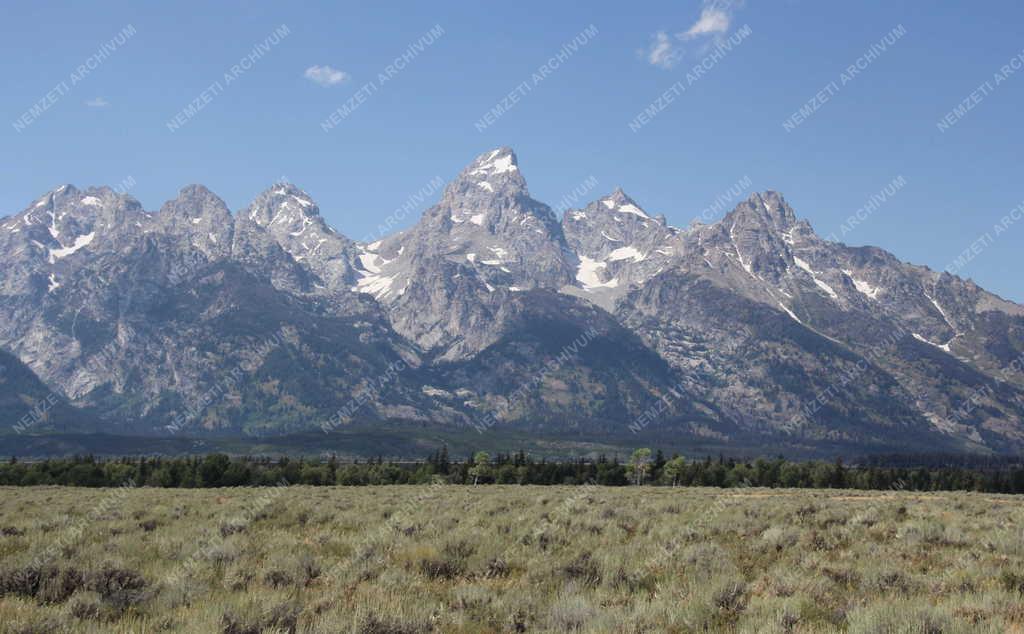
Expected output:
(643, 468)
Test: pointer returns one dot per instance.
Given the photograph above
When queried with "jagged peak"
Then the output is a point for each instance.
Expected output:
(90, 202)
(286, 188)
(500, 160)
(98, 195)
(66, 189)
(285, 193)
(770, 199)
(61, 191)
(768, 209)
(494, 172)
(619, 202)
(198, 190)
(283, 206)
(489, 188)
(45, 199)
(196, 201)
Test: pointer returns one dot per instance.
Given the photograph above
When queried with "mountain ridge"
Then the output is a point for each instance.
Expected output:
(86, 268)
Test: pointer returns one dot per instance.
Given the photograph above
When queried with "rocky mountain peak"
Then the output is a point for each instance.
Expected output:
(100, 208)
(201, 217)
(66, 220)
(63, 197)
(758, 235)
(66, 191)
(195, 201)
(611, 222)
(493, 170)
(286, 216)
(286, 212)
(486, 238)
(618, 245)
(487, 191)
(58, 194)
(487, 204)
(754, 313)
(283, 204)
(766, 210)
(618, 202)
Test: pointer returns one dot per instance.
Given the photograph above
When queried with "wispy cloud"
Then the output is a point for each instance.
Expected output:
(714, 22)
(663, 52)
(714, 19)
(325, 75)
(98, 102)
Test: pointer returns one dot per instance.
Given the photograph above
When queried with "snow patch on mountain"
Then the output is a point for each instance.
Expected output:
(632, 209)
(626, 253)
(372, 280)
(864, 288)
(945, 317)
(80, 243)
(588, 274)
(377, 285)
(790, 313)
(814, 276)
(495, 164)
(619, 203)
(944, 347)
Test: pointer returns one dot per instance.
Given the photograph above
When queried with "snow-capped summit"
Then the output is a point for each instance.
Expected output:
(499, 161)
(619, 202)
(487, 220)
(484, 239)
(283, 203)
(495, 172)
(618, 245)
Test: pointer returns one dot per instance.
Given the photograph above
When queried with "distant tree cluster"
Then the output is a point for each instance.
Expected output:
(643, 468)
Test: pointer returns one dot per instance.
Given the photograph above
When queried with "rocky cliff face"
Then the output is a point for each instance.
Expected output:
(491, 311)
(617, 246)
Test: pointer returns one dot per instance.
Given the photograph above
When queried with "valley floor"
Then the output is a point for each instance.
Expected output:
(445, 558)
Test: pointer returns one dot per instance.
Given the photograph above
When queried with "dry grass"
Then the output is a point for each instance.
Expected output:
(508, 559)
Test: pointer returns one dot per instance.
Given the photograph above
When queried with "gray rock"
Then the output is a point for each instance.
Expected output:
(269, 321)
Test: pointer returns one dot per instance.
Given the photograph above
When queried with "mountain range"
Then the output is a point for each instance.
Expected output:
(492, 313)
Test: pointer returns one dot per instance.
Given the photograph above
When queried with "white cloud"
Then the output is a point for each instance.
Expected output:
(714, 19)
(325, 75)
(663, 52)
(98, 102)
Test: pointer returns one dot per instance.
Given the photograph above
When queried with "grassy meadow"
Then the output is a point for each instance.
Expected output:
(442, 558)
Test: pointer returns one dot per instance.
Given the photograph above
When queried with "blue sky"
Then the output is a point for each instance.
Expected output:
(571, 126)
